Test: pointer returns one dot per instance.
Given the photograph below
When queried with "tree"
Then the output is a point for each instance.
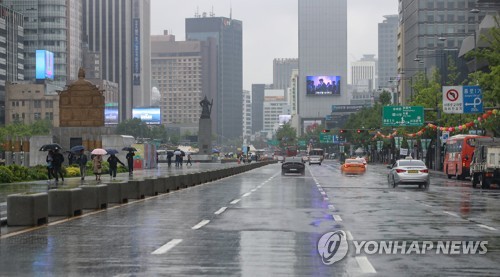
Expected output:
(286, 135)
(385, 98)
(133, 127)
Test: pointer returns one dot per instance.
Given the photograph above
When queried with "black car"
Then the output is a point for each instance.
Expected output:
(293, 165)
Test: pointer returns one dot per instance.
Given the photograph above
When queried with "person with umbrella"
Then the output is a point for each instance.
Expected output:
(177, 154)
(57, 161)
(82, 163)
(113, 164)
(50, 166)
(97, 166)
(170, 154)
(130, 161)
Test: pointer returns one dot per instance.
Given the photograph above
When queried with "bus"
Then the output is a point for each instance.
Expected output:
(316, 156)
(291, 151)
(458, 155)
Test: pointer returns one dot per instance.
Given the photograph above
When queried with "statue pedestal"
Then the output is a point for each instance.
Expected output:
(205, 138)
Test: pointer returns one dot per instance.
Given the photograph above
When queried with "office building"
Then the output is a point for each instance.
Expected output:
(247, 115)
(181, 71)
(258, 92)
(322, 57)
(387, 51)
(364, 74)
(282, 70)
(227, 32)
(54, 26)
(120, 32)
(274, 106)
(12, 56)
(430, 35)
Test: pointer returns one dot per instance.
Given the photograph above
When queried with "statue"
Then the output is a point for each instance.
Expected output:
(206, 107)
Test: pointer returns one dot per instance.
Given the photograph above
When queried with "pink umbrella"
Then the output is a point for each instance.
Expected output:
(99, 151)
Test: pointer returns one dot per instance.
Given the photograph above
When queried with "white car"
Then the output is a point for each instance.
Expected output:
(407, 172)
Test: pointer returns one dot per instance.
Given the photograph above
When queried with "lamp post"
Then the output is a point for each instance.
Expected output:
(475, 12)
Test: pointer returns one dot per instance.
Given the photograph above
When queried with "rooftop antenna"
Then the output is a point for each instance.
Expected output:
(212, 14)
(197, 12)
(231, 10)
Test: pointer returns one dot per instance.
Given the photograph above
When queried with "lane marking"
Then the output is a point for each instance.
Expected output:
(452, 214)
(427, 205)
(487, 227)
(166, 247)
(331, 207)
(349, 235)
(201, 224)
(221, 210)
(365, 264)
(246, 194)
(323, 193)
(337, 217)
(253, 190)
(235, 201)
(326, 199)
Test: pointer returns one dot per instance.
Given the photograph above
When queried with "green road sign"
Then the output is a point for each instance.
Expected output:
(302, 143)
(403, 116)
(325, 138)
(273, 142)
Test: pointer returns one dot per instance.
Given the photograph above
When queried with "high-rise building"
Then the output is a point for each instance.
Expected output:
(120, 31)
(282, 70)
(387, 50)
(54, 26)
(430, 34)
(12, 43)
(181, 71)
(322, 57)
(274, 105)
(364, 74)
(258, 92)
(227, 33)
(247, 115)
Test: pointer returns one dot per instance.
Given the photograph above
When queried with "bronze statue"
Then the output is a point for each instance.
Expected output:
(206, 107)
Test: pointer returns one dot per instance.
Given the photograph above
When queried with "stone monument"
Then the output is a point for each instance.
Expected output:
(205, 131)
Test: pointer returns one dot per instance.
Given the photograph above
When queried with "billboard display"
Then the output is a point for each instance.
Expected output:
(110, 115)
(323, 85)
(149, 115)
(284, 118)
(44, 65)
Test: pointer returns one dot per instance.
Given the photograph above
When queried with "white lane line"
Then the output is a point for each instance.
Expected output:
(246, 194)
(365, 265)
(235, 201)
(166, 247)
(337, 217)
(427, 205)
(221, 210)
(326, 199)
(487, 227)
(201, 224)
(452, 214)
(331, 207)
(323, 193)
(349, 235)
(253, 190)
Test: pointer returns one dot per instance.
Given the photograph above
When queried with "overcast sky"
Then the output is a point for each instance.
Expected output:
(270, 28)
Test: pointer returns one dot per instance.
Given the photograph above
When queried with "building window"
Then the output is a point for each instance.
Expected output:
(37, 116)
(49, 116)
(37, 104)
(49, 104)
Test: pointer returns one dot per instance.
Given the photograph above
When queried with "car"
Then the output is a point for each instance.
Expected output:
(353, 166)
(293, 165)
(407, 172)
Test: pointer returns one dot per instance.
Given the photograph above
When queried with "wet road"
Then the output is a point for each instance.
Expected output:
(260, 223)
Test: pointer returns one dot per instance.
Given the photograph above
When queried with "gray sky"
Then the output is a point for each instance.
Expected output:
(272, 23)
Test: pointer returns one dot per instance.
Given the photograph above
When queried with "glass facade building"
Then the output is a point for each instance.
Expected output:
(387, 50)
(322, 52)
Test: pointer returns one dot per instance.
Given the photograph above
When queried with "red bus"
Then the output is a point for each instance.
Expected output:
(458, 155)
(291, 151)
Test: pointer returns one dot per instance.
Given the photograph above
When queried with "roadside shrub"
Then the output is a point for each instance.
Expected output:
(19, 173)
(38, 172)
(6, 175)
(72, 171)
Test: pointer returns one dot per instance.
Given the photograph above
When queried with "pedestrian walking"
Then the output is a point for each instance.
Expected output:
(50, 165)
(57, 161)
(189, 159)
(169, 158)
(82, 163)
(130, 162)
(177, 154)
(97, 166)
(113, 165)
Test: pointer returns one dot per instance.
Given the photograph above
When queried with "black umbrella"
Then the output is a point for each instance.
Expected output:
(77, 148)
(50, 146)
(170, 154)
(129, 148)
(112, 151)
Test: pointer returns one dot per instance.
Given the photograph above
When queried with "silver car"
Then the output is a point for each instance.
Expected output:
(407, 172)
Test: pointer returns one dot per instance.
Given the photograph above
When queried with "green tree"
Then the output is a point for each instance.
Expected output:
(159, 132)
(385, 98)
(133, 127)
(19, 129)
(286, 135)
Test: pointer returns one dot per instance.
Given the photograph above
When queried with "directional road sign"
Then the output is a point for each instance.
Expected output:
(403, 116)
(325, 138)
(462, 99)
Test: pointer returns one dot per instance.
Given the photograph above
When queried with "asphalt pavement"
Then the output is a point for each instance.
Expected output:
(260, 223)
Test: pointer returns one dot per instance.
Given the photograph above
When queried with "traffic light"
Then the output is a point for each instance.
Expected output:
(342, 131)
(326, 131)
(359, 131)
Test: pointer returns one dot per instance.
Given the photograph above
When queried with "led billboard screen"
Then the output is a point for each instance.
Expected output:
(44, 65)
(110, 115)
(323, 85)
(149, 115)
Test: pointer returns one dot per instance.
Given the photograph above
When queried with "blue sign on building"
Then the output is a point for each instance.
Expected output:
(473, 99)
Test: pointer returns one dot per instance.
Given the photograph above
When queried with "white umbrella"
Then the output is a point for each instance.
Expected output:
(99, 151)
(177, 152)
